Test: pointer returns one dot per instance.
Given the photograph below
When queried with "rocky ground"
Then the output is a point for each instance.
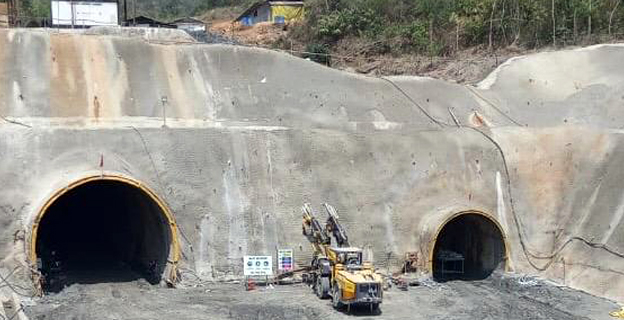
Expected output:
(495, 298)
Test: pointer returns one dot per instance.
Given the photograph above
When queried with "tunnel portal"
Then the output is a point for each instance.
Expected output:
(469, 247)
(102, 231)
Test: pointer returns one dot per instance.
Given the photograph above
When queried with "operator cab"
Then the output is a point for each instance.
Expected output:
(351, 258)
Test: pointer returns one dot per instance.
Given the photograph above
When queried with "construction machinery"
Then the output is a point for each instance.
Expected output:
(338, 270)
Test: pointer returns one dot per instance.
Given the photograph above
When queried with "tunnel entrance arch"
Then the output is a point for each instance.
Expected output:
(468, 246)
(104, 228)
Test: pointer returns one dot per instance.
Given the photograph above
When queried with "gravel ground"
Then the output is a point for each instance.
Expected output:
(494, 298)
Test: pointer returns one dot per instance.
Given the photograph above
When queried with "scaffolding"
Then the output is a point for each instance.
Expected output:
(450, 262)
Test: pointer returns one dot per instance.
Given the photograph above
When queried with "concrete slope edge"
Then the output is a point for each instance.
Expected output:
(231, 140)
(192, 85)
(490, 80)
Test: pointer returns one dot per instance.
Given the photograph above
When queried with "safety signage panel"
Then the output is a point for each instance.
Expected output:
(258, 265)
(285, 260)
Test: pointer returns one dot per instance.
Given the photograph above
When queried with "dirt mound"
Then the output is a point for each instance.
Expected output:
(261, 34)
(359, 56)
(465, 66)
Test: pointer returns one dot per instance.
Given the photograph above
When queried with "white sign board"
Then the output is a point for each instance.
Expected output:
(285, 260)
(258, 265)
(79, 14)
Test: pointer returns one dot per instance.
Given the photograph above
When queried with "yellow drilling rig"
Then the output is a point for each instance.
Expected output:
(338, 271)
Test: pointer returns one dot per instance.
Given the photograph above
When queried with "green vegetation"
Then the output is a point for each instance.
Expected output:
(317, 52)
(36, 9)
(440, 27)
(431, 27)
(171, 9)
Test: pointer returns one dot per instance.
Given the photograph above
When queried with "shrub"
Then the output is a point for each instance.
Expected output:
(318, 52)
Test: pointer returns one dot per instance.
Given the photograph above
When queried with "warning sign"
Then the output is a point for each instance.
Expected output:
(258, 265)
(285, 260)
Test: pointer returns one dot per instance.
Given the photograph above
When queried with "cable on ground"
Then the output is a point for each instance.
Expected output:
(4, 281)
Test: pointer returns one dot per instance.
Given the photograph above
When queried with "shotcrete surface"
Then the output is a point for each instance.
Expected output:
(235, 139)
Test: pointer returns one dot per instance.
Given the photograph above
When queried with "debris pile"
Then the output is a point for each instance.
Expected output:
(261, 34)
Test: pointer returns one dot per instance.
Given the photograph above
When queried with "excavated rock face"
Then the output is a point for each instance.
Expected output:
(215, 148)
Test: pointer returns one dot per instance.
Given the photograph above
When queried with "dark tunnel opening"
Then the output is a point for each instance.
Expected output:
(100, 232)
(469, 247)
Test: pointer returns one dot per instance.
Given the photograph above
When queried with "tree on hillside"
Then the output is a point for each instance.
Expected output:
(443, 26)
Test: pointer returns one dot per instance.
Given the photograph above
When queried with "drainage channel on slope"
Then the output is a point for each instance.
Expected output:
(102, 231)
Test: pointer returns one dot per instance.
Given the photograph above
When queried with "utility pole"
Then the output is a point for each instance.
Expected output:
(589, 20)
(134, 13)
(14, 13)
(10, 8)
(125, 12)
(554, 25)
(73, 13)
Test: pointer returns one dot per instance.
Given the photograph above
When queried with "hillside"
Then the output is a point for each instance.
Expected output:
(170, 9)
(461, 40)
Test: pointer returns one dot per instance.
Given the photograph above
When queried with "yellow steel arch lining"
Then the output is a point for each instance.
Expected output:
(457, 215)
(174, 252)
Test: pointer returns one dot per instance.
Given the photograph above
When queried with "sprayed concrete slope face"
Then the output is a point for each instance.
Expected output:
(575, 87)
(234, 140)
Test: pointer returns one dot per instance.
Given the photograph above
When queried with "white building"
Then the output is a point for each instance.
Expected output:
(190, 24)
(272, 11)
(85, 13)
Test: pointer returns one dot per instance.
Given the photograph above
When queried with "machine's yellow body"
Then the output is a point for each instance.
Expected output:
(339, 271)
(348, 280)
